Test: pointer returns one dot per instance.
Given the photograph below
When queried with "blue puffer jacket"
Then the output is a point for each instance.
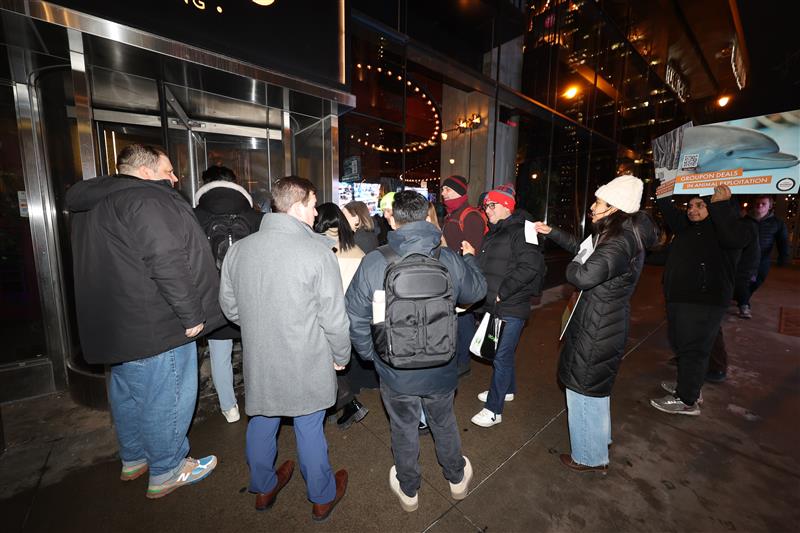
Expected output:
(469, 286)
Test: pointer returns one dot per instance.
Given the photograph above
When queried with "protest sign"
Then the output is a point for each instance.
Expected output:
(756, 155)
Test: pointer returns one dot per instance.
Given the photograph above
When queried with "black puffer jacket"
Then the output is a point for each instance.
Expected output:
(701, 266)
(595, 339)
(226, 198)
(143, 269)
(772, 230)
(514, 269)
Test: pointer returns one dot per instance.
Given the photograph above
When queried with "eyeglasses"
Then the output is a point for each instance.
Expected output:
(490, 205)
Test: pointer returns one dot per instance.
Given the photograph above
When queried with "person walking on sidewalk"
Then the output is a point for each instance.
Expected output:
(594, 341)
(145, 288)
(406, 392)
(282, 286)
(225, 211)
(462, 223)
(771, 232)
(514, 270)
(698, 287)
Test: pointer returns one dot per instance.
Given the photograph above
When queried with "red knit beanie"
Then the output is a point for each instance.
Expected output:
(501, 197)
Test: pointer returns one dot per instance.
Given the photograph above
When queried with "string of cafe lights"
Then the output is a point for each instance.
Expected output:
(416, 180)
(414, 146)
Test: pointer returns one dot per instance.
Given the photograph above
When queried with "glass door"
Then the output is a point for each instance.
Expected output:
(21, 325)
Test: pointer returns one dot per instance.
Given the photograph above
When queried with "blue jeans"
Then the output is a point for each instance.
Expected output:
(312, 451)
(152, 402)
(222, 371)
(589, 428)
(504, 379)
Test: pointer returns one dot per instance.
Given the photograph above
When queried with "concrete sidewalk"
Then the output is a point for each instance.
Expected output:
(734, 468)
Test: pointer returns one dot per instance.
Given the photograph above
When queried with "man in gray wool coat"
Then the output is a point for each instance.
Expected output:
(282, 286)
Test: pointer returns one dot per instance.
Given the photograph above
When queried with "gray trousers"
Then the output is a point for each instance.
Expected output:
(404, 414)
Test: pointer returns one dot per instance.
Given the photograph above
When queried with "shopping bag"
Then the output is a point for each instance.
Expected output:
(487, 337)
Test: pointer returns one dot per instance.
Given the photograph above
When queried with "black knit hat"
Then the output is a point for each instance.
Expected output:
(457, 183)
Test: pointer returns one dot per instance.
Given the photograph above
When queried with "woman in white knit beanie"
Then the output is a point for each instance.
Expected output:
(594, 341)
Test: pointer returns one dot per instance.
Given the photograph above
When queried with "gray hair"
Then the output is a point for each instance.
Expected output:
(134, 156)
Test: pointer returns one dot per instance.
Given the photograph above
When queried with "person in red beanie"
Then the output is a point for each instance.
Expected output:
(462, 223)
(514, 271)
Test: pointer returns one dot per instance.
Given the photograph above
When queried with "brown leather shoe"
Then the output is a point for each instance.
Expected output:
(321, 511)
(566, 460)
(284, 474)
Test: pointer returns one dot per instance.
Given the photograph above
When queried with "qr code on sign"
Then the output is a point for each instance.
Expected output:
(689, 161)
(660, 175)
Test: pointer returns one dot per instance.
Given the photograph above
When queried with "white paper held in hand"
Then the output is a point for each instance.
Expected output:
(378, 307)
(531, 237)
(585, 250)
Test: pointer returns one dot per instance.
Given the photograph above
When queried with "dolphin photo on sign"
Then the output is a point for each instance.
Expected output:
(757, 155)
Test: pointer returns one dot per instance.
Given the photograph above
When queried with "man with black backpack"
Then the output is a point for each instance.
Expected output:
(225, 211)
(405, 295)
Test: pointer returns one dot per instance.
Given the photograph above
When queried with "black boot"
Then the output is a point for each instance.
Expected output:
(351, 413)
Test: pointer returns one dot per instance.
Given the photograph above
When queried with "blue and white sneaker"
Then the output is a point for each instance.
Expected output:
(193, 471)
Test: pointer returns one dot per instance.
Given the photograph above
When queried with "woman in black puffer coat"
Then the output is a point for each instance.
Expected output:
(594, 341)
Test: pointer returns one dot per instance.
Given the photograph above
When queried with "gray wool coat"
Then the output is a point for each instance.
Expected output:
(282, 286)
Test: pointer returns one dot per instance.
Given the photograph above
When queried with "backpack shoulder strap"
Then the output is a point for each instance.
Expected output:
(467, 210)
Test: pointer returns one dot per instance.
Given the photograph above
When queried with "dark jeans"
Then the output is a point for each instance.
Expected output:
(718, 362)
(746, 286)
(742, 291)
(761, 276)
(692, 330)
(466, 330)
(404, 413)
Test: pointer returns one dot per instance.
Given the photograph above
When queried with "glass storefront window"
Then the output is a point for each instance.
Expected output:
(20, 311)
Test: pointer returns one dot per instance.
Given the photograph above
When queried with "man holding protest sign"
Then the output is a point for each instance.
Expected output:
(698, 286)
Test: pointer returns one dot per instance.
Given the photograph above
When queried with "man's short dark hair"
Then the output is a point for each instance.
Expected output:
(218, 173)
(409, 206)
(290, 190)
(134, 156)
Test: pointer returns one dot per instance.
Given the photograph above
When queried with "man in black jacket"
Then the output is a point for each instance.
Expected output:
(771, 232)
(514, 270)
(405, 392)
(698, 286)
(225, 212)
(145, 287)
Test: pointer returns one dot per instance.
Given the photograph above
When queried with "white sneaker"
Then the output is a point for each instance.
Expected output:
(459, 490)
(672, 386)
(232, 414)
(486, 419)
(485, 394)
(408, 503)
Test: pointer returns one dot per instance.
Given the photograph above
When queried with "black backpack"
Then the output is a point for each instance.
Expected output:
(224, 230)
(419, 330)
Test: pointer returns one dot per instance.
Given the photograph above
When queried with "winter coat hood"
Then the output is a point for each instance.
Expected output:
(415, 237)
(85, 195)
(223, 198)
